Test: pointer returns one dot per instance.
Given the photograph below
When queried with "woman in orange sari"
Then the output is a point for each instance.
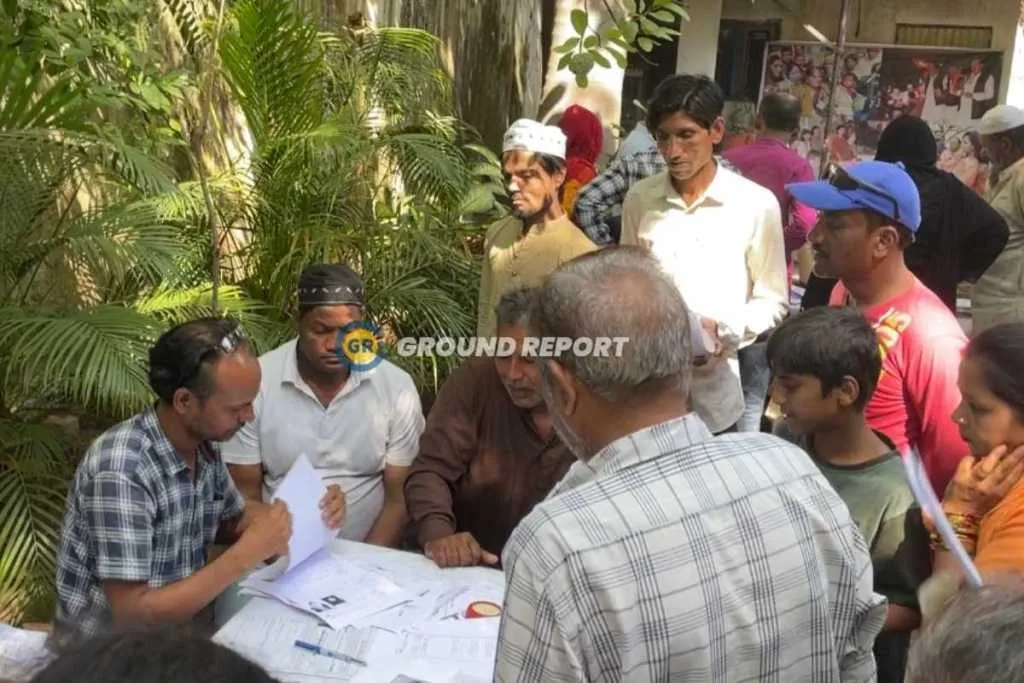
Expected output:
(985, 499)
(584, 139)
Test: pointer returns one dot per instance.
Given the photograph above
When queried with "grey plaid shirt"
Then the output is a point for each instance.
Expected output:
(675, 555)
(134, 514)
(606, 192)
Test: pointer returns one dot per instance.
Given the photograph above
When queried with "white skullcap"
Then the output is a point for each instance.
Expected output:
(1001, 119)
(534, 136)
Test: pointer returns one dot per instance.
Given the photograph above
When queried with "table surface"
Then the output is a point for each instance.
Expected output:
(260, 607)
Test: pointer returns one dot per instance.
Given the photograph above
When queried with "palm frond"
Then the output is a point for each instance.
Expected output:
(33, 482)
(96, 356)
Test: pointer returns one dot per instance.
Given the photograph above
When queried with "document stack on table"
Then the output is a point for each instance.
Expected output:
(444, 630)
(309, 578)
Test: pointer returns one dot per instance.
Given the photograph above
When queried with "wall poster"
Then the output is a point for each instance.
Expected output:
(950, 89)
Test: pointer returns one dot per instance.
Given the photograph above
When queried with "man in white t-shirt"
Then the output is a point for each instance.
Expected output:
(359, 424)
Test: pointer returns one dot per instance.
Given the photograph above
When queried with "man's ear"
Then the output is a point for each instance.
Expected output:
(183, 400)
(887, 238)
(563, 387)
(717, 130)
(849, 391)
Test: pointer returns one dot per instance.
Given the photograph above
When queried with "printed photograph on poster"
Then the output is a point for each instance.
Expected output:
(805, 71)
(951, 89)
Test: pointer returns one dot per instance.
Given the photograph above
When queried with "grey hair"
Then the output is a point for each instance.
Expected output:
(977, 639)
(618, 292)
(514, 307)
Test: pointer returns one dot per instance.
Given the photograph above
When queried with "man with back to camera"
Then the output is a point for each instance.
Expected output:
(524, 247)
(666, 553)
(770, 163)
(869, 213)
(717, 234)
(152, 493)
(359, 427)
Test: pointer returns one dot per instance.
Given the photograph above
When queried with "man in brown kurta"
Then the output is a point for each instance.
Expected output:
(523, 248)
(488, 455)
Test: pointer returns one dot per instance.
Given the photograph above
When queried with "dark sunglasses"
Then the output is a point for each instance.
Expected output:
(838, 178)
(234, 338)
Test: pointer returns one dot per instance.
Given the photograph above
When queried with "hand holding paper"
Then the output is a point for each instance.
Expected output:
(302, 490)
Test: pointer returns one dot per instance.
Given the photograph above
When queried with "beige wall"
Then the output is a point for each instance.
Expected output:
(874, 21)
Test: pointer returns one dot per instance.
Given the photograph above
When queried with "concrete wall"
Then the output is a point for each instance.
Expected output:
(874, 21)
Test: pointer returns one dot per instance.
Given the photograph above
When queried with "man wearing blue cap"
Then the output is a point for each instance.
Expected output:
(870, 212)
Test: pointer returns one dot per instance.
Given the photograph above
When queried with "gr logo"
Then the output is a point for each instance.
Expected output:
(359, 346)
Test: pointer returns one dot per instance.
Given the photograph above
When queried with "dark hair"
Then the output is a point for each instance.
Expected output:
(1000, 352)
(696, 96)
(183, 355)
(151, 655)
(781, 112)
(514, 306)
(828, 343)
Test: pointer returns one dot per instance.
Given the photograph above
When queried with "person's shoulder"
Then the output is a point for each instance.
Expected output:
(930, 317)
(753, 195)
(539, 541)
(122, 450)
(508, 224)
(644, 188)
(273, 361)
(392, 378)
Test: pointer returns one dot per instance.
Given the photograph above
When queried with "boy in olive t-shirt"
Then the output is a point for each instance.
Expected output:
(825, 364)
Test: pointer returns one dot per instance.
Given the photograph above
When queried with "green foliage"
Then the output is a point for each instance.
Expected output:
(355, 156)
(641, 25)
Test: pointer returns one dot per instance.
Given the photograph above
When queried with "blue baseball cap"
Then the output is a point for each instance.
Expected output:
(876, 185)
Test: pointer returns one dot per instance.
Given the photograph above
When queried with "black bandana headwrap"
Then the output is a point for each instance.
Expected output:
(330, 284)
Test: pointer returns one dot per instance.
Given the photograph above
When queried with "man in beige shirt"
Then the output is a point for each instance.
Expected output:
(523, 248)
(998, 296)
(718, 236)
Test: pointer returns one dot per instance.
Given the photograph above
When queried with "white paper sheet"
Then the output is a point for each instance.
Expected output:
(22, 653)
(302, 490)
(339, 593)
(922, 489)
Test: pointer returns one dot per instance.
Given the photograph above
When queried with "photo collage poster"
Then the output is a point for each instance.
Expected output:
(950, 89)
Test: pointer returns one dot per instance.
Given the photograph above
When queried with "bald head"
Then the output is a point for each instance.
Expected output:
(618, 292)
(780, 112)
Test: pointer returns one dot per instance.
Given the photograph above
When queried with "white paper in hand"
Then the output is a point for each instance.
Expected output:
(920, 485)
(302, 490)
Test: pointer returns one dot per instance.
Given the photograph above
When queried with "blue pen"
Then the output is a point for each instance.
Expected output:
(316, 649)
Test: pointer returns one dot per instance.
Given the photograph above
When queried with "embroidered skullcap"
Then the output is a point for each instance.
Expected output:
(533, 136)
(330, 284)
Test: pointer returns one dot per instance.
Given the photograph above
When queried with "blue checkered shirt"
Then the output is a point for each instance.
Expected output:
(596, 201)
(134, 513)
(675, 555)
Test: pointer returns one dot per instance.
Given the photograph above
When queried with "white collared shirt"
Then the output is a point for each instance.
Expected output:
(998, 296)
(375, 420)
(726, 255)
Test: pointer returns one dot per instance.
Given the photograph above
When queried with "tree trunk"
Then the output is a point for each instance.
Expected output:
(491, 49)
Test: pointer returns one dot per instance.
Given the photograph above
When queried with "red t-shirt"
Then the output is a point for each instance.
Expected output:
(921, 344)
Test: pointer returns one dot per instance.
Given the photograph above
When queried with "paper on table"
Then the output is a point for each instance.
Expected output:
(339, 593)
(22, 653)
(922, 489)
(302, 490)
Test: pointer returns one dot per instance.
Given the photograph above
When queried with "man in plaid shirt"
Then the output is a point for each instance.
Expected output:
(666, 553)
(152, 492)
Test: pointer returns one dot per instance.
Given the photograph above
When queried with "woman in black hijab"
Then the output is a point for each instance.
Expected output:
(960, 234)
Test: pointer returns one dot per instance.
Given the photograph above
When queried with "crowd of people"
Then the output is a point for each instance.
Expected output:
(723, 500)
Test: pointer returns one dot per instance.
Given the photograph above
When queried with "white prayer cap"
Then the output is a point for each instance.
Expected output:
(1000, 119)
(534, 136)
